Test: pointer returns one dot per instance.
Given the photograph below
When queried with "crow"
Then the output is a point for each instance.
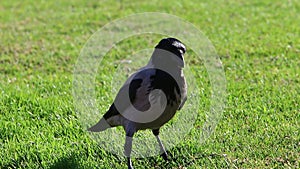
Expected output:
(150, 97)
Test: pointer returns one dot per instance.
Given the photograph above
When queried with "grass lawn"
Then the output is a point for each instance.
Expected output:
(259, 45)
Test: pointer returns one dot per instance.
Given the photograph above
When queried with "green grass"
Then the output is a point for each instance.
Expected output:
(258, 42)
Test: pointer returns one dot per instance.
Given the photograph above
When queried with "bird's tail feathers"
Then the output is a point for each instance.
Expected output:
(100, 126)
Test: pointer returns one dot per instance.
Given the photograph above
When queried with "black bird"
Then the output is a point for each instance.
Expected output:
(150, 97)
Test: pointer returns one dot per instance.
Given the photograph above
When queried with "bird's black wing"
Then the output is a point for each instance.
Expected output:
(138, 87)
(182, 102)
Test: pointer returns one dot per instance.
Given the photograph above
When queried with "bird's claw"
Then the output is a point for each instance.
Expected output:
(129, 163)
(165, 156)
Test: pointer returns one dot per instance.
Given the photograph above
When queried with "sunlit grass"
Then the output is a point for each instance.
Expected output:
(258, 42)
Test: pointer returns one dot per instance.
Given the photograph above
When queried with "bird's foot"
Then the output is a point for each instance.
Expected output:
(165, 156)
(129, 163)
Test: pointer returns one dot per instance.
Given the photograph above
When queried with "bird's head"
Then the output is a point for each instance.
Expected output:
(170, 47)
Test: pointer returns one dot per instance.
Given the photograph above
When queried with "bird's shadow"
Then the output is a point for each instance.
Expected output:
(178, 156)
(67, 162)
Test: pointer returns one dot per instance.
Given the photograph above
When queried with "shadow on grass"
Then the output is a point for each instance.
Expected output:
(86, 159)
(69, 162)
(178, 157)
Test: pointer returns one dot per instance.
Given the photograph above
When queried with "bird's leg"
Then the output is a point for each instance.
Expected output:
(128, 147)
(161, 146)
(127, 151)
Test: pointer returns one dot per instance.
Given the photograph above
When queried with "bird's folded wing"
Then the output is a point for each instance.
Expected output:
(138, 88)
(182, 103)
